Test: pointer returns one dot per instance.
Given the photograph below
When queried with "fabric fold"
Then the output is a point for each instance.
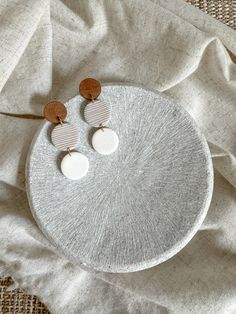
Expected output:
(47, 47)
(15, 35)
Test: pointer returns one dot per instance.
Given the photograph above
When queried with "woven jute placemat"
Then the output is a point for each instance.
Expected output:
(222, 10)
(16, 301)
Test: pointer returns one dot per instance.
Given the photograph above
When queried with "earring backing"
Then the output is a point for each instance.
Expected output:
(64, 136)
(97, 114)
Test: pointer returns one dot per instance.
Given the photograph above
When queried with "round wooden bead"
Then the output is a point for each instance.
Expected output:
(97, 113)
(55, 110)
(105, 141)
(90, 88)
(74, 166)
(65, 136)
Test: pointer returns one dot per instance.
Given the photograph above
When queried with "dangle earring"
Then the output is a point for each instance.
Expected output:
(65, 137)
(97, 114)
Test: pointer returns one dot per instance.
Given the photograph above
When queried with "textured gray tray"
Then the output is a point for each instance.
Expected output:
(137, 207)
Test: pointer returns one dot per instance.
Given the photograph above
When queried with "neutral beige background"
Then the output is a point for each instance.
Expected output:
(46, 49)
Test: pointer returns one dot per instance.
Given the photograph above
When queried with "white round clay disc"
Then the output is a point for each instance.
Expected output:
(97, 113)
(74, 166)
(65, 136)
(105, 141)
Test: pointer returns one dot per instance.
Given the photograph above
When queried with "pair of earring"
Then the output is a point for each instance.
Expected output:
(65, 137)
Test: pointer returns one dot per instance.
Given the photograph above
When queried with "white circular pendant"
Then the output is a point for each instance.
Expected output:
(74, 166)
(105, 141)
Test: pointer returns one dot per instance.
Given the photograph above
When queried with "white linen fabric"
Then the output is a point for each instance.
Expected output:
(46, 49)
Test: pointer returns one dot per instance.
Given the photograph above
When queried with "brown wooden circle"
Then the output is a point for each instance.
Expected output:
(90, 88)
(55, 110)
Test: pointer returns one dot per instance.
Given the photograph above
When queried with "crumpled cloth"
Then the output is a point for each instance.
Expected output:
(46, 48)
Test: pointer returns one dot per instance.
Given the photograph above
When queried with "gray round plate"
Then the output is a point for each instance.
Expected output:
(135, 208)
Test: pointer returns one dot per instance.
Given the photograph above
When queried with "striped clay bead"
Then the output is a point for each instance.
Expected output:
(65, 136)
(97, 113)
